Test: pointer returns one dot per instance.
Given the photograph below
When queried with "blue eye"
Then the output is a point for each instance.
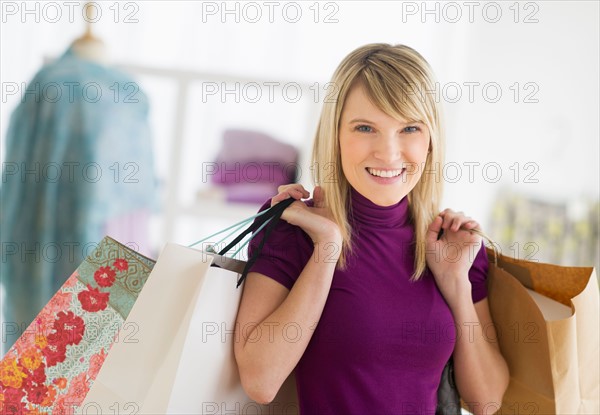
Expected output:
(363, 128)
(412, 129)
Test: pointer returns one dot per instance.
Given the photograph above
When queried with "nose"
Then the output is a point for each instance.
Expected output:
(388, 148)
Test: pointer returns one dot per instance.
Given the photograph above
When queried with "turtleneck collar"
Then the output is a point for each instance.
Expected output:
(365, 212)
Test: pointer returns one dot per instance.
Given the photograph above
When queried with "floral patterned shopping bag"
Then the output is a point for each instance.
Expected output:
(52, 366)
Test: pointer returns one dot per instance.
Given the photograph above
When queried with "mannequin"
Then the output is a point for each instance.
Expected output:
(76, 208)
(88, 46)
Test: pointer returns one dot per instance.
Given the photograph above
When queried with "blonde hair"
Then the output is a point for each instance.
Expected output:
(400, 82)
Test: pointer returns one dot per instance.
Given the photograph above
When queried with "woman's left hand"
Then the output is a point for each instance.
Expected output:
(450, 257)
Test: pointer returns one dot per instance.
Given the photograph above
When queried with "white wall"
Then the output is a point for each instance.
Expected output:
(558, 56)
(558, 135)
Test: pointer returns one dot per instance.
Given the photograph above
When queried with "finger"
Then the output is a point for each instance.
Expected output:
(293, 187)
(445, 212)
(286, 194)
(279, 197)
(471, 224)
(434, 230)
(472, 227)
(452, 220)
(296, 193)
(457, 223)
(319, 197)
(285, 187)
(447, 218)
(460, 222)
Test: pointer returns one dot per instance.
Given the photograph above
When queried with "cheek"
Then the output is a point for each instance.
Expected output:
(418, 150)
(346, 167)
(419, 157)
(347, 154)
(354, 157)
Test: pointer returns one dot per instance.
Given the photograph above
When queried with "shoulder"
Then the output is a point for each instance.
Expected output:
(283, 254)
(282, 227)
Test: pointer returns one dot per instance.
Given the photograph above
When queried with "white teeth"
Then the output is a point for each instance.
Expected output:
(384, 173)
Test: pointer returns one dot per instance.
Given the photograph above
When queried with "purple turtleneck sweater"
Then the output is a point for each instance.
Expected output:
(382, 341)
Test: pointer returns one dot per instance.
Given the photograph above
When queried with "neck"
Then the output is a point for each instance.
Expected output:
(365, 212)
(90, 48)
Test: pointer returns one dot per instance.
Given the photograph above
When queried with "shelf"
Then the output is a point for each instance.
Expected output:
(219, 209)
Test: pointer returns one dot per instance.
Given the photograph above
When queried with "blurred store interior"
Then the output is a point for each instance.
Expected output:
(140, 108)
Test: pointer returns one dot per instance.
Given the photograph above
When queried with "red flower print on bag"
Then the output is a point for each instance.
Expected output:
(37, 394)
(39, 375)
(51, 396)
(12, 401)
(105, 276)
(121, 264)
(68, 329)
(35, 410)
(45, 321)
(93, 300)
(78, 388)
(60, 301)
(63, 405)
(96, 362)
(27, 382)
(55, 353)
(60, 382)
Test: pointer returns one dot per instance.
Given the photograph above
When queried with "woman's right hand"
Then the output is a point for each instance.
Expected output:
(266, 362)
(315, 221)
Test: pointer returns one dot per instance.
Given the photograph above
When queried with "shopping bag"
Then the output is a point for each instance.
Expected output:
(212, 385)
(175, 366)
(52, 365)
(86, 351)
(553, 359)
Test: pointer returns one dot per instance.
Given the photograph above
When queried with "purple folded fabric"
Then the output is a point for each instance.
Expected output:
(253, 158)
(255, 193)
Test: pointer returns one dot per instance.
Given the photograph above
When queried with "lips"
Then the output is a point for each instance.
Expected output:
(386, 173)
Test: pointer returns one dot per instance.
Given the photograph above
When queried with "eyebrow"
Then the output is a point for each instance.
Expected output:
(362, 120)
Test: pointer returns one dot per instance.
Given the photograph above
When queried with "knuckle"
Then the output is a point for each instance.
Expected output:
(287, 186)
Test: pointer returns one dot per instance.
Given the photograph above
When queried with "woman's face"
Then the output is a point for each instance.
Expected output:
(382, 157)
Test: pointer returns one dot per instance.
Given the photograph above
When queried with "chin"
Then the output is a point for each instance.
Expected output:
(384, 201)
(387, 202)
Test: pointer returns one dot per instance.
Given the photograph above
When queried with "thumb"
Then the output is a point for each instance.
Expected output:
(319, 197)
(434, 229)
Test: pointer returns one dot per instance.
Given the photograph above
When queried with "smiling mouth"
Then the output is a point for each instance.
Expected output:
(384, 173)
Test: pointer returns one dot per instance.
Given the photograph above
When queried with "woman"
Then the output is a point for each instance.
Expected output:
(367, 289)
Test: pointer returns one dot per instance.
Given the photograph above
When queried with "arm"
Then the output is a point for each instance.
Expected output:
(480, 370)
(263, 352)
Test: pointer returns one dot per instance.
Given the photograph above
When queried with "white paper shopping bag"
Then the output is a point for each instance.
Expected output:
(139, 374)
(208, 381)
(181, 360)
